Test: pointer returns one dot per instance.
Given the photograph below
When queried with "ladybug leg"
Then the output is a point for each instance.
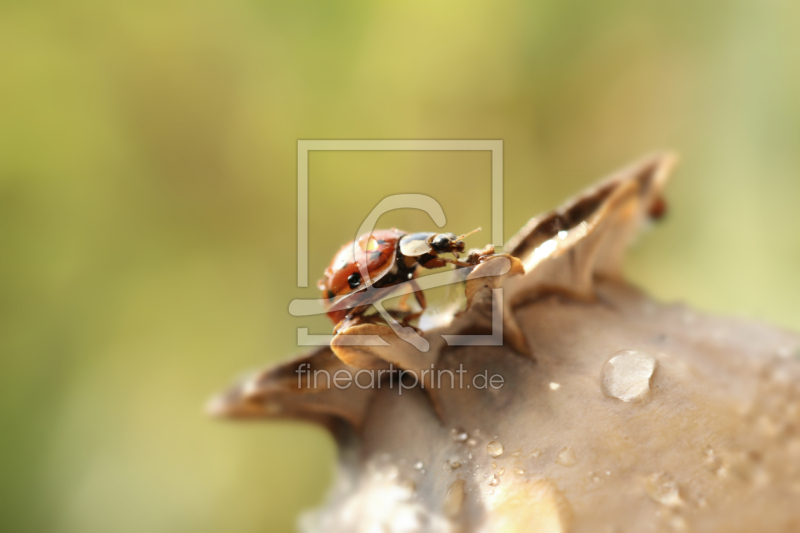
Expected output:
(418, 294)
(432, 261)
(403, 303)
(352, 317)
(459, 263)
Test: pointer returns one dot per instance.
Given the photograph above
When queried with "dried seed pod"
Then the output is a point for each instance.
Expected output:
(632, 416)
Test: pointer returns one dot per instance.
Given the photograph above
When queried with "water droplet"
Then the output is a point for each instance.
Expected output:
(459, 435)
(494, 480)
(663, 489)
(627, 374)
(494, 465)
(472, 442)
(469, 455)
(454, 499)
(455, 465)
(566, 457)
(555, 386)
(536, 453)
(494, 448)
(516, 453)
(419, 465)
(501, 471)
(519, 471)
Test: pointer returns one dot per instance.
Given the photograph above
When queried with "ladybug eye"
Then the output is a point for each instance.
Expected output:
(354, 280)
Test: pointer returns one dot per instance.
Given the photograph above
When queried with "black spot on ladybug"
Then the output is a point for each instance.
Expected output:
(330, 294)
(354, 280)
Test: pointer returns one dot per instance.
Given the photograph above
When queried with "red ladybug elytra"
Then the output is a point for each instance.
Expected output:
(391, 257)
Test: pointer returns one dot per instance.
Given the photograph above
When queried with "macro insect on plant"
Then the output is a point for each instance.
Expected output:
(606, 392)
(385, 259)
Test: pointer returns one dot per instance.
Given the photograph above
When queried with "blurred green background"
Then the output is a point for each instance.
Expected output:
(147, 206)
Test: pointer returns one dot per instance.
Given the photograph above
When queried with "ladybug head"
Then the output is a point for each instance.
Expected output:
(447, 242)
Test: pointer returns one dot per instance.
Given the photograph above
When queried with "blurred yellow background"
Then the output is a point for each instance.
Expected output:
(147, 216)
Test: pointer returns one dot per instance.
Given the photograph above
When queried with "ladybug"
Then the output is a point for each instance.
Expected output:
(382, 259)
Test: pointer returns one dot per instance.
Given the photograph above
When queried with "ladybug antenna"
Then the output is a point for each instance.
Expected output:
(468, 234)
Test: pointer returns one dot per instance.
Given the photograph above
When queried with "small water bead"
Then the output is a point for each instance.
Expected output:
(494, 480)
(663, 489)
(555, 386)
(459, 435)
(494, 448)
(455, 465)
(626, 375)
(501, 471)
(516, 453)
(566, 457)
(536, 453)
(519, 471)
(472, 442)
(494, 465)
(419, 465)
